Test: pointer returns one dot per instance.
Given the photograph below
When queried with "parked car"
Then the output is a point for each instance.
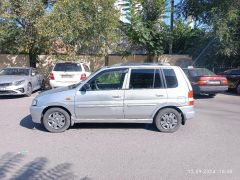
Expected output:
(205, 81)
(68, 73)
(20, 81)
(119, 94)
(233, 77)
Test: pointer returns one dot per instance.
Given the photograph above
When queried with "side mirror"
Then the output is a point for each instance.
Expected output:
(86, 87)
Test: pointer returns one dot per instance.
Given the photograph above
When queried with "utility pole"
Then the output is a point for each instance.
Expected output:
(171, 27)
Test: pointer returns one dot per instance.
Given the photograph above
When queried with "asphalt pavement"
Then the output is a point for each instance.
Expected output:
(207, 147)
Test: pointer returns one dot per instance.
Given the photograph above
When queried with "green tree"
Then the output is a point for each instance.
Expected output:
(22, 16)
(144, 25)
(222, 18)
(85, 26)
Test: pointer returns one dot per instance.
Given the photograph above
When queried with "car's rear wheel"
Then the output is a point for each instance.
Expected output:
(211, 95)
(56, 120)
(168, 120)
(238, 89)
(29, 90)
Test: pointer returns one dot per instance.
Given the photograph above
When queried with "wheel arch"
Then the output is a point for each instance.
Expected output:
(172, 107)
(61, 107)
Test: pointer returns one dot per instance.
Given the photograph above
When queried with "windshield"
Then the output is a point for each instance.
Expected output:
(200, 72)
(68, 67)
(89, 77)
(15, 72)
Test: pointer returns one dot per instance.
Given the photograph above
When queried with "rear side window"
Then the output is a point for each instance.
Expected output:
(145, 79)
(68, 67)
(170, 77)
(200, 72)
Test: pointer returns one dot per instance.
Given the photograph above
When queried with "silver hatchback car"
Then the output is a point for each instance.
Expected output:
(130, 93)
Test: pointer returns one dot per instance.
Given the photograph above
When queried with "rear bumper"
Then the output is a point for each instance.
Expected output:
(188, 112)
(209, 89)
(56, 84)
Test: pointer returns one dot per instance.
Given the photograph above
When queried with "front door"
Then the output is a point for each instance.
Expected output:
(103, 99)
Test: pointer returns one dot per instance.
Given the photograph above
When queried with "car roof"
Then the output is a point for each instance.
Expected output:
(17, 68)
(139, 65)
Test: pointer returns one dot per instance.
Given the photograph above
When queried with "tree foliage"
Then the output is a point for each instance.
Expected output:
(223, 19)
(144, 25)
(85, 26)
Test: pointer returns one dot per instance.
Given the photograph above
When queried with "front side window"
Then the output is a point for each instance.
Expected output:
(170, 77)
(145, 79)
(108, 80)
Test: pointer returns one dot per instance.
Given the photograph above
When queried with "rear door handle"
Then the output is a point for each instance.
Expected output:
(159, 95)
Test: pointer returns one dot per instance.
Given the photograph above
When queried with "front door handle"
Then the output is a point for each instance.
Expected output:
(159, 95)
(116, 97)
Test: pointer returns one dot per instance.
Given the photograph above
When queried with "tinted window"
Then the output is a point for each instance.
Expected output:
(108, 80)
(145, 78)
(200, 72)
(170, 77)
(69, 67)
(235, 71)
(15, 71)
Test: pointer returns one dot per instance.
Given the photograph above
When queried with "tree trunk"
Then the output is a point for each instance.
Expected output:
(149, 58)
(106, 58)
(32, 59)
(171, 27)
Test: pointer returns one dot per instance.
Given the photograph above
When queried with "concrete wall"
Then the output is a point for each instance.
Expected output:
(46, 62)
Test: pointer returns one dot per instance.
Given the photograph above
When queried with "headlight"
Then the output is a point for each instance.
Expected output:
(34, 103)
(17, 83)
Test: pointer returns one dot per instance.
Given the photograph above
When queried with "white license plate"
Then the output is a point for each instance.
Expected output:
(67, 76)
(214, 82)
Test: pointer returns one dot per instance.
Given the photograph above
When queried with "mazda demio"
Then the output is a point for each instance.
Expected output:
(126, 93)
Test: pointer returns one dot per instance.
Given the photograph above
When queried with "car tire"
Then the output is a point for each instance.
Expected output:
(211, 95)
(29, 90)
(56, 120)
(168, 120)
(238, 89)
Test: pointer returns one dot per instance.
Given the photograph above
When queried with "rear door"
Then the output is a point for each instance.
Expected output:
(145, 93)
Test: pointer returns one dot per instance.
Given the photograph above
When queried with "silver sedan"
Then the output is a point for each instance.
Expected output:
(20, 81)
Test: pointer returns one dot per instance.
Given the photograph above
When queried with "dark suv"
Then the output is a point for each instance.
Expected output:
(233, 77)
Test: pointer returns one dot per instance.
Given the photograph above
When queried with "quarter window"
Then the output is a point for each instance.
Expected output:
(145, 79)
(170, 77)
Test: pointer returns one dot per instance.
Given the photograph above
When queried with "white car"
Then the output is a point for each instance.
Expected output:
(68, 73)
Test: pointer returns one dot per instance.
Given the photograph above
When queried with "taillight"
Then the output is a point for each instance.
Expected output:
(225, 82)
(202, 82)
(190, 98)
(83, 77)
(51, 77)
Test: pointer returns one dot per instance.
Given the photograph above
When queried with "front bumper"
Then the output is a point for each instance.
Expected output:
(36, 113)
(12, 90)
(188, 112)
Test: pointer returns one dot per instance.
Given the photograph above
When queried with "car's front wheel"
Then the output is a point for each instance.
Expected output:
(29, 90)
(168, 120)
(56, 120)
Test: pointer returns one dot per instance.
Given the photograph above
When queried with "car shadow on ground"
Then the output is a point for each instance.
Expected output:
(231, 93)
(12, 166)
(12, 97)
(27, 122)
(203, 96)
(124, 126)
